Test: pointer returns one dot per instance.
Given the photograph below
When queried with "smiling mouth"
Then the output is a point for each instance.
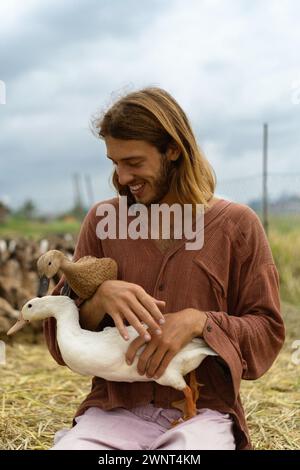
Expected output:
(137, 188)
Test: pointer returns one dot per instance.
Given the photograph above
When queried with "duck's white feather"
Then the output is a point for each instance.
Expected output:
(102, 354)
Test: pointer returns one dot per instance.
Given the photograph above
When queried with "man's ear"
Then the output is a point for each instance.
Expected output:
(173, 152)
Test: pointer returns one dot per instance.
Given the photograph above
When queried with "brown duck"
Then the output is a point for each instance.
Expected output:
(83, 276)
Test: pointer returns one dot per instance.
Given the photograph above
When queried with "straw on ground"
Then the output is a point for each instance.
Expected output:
(38, 397)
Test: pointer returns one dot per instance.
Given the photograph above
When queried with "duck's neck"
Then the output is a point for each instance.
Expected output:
(66, 266)
(68, 321)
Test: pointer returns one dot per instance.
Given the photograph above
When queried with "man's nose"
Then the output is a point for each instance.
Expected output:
(124, 176)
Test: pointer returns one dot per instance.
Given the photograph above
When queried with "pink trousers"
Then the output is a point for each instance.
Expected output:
(147, 428)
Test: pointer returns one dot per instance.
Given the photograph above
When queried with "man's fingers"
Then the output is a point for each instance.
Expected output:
(159, 302)
(158, 365)
(137, 325)
(121, 327)
(133, 348)
(151, 307)
(145, 356)
(161, 305)
(143, 314)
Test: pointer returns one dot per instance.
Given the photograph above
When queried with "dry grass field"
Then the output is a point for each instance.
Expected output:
(39, 397)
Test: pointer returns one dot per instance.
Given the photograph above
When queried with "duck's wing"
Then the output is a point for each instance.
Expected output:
(105, 268)
(84, 259)
(88, 273)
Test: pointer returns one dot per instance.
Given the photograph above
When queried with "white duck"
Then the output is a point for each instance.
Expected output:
(102, 354)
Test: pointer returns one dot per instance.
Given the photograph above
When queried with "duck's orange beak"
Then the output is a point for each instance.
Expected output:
(18, 325)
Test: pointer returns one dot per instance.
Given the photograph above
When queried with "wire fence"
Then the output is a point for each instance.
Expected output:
(283, 196)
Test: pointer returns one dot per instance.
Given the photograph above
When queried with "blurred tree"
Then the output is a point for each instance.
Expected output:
(28, 210)
(78, 212)
(4, 212)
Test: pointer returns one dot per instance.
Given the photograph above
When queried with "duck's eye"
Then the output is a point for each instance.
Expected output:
(49, 264)
(29, 305)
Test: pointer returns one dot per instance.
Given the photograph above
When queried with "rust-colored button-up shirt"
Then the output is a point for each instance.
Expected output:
(232, 278)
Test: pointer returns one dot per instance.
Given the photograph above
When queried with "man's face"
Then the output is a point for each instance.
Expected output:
(141, 168)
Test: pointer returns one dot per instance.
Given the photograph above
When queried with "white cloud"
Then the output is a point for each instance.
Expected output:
(13, 13)
(229, 64)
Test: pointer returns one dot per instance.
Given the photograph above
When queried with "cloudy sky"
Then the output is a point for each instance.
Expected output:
(231, 64)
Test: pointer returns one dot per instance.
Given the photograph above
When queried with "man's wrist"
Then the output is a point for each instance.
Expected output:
(199, 320)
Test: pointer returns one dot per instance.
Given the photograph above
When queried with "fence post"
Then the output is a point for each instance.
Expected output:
(265, 176)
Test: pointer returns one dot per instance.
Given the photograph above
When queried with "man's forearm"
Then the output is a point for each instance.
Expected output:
(90, 315)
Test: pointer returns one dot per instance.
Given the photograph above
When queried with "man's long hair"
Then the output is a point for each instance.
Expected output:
(154, 116)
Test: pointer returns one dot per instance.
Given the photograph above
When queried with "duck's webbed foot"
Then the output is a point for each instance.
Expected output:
(180, 405)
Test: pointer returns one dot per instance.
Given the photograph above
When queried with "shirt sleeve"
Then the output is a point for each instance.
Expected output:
(249, 338)
(88, 244)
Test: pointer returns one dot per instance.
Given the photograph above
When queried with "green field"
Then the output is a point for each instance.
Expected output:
(284, 236)
(16, 227)
(285, 223)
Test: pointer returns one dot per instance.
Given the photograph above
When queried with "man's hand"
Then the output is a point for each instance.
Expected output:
(179, 329)
(124, 302)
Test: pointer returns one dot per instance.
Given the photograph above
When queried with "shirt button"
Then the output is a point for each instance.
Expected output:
(161, 287)
(209, 328)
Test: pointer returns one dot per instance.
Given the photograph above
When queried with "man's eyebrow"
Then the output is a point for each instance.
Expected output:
(129, 158)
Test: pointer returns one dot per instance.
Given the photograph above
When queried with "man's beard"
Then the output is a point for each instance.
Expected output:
(161, 184)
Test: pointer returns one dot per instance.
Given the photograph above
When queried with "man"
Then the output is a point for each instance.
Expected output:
(225, 292)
